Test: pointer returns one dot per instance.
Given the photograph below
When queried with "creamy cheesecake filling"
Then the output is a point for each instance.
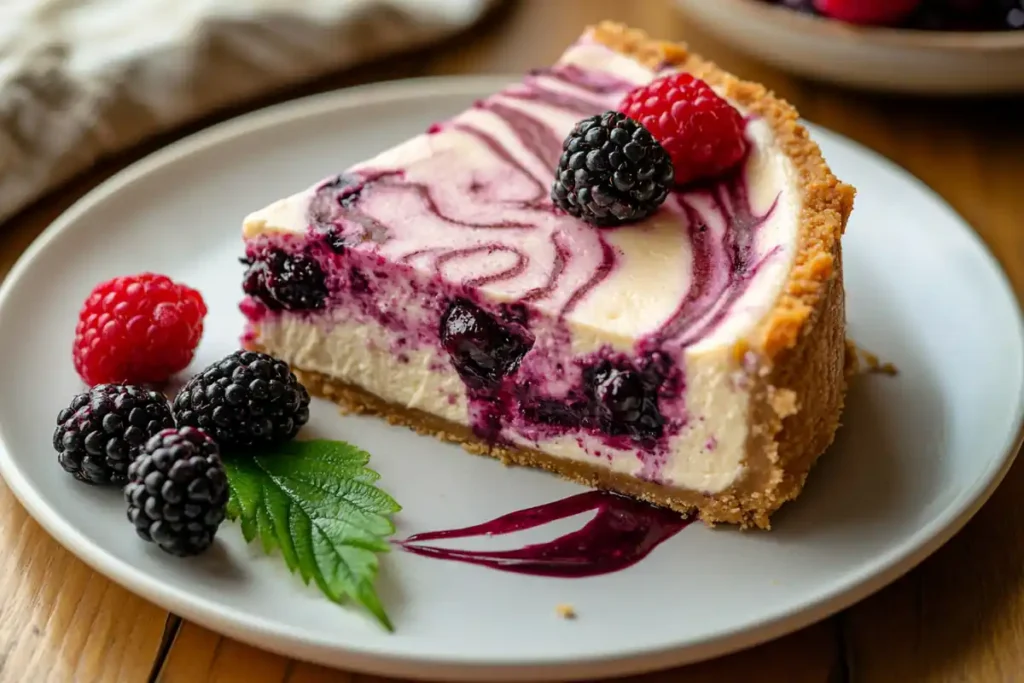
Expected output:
(706, 454)
(462, 212)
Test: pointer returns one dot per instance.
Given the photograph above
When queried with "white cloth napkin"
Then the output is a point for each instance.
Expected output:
(81, 79)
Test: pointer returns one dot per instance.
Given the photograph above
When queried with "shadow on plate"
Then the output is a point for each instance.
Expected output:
(217, 562)
(886, 465)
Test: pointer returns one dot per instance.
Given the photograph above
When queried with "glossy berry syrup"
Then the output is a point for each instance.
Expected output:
(623, 532)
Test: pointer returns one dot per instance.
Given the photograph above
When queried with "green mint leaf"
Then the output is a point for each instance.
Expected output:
(316, 502)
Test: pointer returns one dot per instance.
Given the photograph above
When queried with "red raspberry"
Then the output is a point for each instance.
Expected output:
(700, 131)
(139, 329)
(867, 11)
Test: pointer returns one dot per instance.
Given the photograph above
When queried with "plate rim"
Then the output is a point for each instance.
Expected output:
(287, 641)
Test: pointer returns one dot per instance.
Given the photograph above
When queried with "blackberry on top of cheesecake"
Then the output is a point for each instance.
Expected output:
(625, 269)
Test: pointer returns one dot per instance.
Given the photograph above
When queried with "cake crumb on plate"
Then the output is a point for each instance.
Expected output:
(566, 611)
(860, 361)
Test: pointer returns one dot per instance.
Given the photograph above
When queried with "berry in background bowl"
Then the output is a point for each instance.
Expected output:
(926, 15)
(928, 47)
(870, 12)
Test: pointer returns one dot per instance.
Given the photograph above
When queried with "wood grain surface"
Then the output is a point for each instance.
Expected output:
(959, 617)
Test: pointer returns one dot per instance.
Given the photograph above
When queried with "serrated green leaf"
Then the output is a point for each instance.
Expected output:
(266, 528)
(316, 502)
(246, 494)
(278, 508)
(233, 511)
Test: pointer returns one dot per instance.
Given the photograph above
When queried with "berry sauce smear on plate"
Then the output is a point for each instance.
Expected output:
(623, 532)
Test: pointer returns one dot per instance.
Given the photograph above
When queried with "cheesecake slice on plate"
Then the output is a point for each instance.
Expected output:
(556, 285)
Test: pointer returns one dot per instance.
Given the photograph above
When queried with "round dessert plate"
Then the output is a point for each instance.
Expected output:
(884, 59)
(917, 455)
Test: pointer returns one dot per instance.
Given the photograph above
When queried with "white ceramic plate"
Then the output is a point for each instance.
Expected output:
(894, 60)
(917, 456)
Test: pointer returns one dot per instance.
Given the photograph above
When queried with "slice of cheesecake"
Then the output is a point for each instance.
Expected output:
(694, 359)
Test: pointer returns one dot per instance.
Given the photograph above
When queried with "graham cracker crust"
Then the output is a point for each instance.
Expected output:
(727, 507)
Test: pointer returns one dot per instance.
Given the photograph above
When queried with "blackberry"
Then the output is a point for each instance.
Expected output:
(482, 350)
(1011, 15)
(246, 399)
(612, 171)
(624, 400)
(283, 281)
(103, 430)
(177, 491)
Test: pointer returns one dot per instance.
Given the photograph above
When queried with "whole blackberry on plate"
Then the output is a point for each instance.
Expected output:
(103, 430)
(177, 491)
(246, 399)
(612, 171)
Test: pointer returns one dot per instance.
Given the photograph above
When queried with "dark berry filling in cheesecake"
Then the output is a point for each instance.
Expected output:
(624, 399)
(482, 350)
(285, 281)
(612, 397)
(616, 397)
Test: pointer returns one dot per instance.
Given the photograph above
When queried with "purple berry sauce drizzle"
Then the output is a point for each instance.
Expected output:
(365, 259)
(623, 532)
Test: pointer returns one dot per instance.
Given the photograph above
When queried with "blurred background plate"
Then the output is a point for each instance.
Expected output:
(886, 59)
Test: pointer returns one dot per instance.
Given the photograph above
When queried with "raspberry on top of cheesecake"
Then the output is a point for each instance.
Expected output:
(476, 283)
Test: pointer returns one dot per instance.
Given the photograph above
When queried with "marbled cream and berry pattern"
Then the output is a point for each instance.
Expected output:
(440, 276)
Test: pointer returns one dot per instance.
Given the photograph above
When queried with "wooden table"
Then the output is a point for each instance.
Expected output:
(959, 617)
